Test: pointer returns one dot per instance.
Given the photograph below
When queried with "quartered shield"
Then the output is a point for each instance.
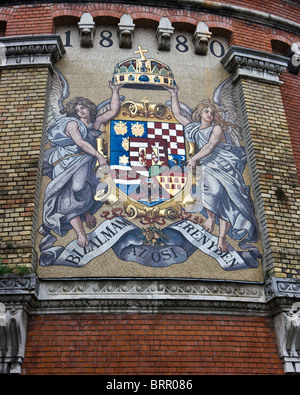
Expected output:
(147, 159)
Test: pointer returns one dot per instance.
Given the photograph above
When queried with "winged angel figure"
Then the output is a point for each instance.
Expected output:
(215, 129)
(72, 130)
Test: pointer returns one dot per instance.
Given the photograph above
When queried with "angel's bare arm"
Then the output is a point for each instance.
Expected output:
(73, 131)
(176, 106)
(216, 136)
(114, 107)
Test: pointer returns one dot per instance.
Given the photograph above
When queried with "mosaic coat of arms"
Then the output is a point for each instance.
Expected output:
(155, 183)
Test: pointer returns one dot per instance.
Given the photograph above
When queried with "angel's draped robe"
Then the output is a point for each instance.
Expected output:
(224, 191)
(73, 181)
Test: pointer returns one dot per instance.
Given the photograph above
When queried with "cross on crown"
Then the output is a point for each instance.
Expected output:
(141, 52)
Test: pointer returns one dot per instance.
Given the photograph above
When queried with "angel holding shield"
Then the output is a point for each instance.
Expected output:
(70, 163)
(226, 198)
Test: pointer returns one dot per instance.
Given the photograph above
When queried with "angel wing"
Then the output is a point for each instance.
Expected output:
(59, 91)
(224, 97)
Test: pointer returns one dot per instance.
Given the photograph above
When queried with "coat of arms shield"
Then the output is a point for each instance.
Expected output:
(147, 154)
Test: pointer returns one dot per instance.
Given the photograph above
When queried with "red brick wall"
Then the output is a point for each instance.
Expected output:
(40, 18)
(150, 344)
(291, 100)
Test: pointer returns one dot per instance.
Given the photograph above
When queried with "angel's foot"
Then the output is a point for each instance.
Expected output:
(222, 244)
(209, 224)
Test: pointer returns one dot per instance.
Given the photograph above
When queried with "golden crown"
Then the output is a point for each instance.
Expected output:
(143, 73)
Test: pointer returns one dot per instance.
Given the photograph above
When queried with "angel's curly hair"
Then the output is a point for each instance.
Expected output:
(70, 111)
(217, 117)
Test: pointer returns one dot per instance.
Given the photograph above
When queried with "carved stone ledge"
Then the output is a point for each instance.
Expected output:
(33, 51)
(277, 287)
(123, 306)
(149, 296)
(19, 291)
(158, 289)
(13, 284)
(253, 64)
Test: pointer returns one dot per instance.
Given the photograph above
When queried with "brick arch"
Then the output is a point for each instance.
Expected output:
(185, 18)
(65, 20)
(226, 33)
(281, 41)
(282, 36)
(280, 47)
(5, 13)
(143, 12)
(146, 22)
(218, 21)
(221, 26)
(65, 10)
(71, 14)
(106, 20)
(106, 10)
(287, 40)
(185, 26)
(96, 10)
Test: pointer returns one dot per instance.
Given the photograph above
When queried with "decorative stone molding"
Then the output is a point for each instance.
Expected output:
(287, 326)
(126, 31)
(258, 65)
(11, 284)
(277, 287)
(157, 289)
(163, 34)
(200, 38)
(33, 51)
(86, 30)
(149, 296)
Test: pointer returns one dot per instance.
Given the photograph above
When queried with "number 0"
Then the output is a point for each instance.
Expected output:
(213, 50)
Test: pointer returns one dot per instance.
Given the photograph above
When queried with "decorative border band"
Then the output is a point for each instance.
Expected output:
(154, 289)
(149, 296)
(117, 295)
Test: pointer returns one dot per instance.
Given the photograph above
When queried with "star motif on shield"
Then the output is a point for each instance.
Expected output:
(124, 160)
